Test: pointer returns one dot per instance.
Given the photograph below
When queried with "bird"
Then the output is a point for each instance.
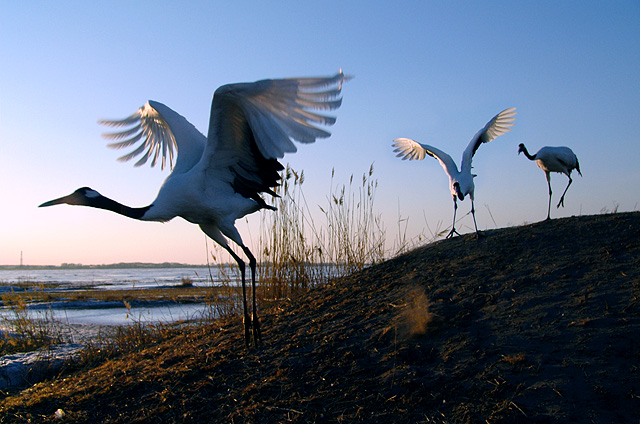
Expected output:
(554, 159)
(460, 181)
(218, 179)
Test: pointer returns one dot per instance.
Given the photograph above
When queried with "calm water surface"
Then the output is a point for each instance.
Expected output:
(113, 278)
(109, 313)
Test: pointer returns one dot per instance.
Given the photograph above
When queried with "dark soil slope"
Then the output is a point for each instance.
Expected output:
(536, 324)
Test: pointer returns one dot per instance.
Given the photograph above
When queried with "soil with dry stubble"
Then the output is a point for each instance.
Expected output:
(537, 324)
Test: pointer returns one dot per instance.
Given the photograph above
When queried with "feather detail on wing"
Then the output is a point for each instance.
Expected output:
(278, 111)
(498, 125)
(407, 148)
(252, 125)
(160, 132)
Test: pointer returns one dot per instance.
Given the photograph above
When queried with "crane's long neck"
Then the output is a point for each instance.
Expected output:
(102, 202)
(86, 196)
(524, 150)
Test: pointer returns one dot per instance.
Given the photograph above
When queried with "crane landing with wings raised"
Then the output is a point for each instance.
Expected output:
(218, 179)
(460, 181)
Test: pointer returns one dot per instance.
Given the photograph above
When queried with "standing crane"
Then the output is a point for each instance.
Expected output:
(554, 159)
(219, 178)
(460, 182)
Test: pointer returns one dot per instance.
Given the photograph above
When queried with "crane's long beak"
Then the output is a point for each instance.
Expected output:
(84, 196)
(59, 201)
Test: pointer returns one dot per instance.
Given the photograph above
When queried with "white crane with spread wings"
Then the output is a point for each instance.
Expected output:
(460, 181)
(219, 178)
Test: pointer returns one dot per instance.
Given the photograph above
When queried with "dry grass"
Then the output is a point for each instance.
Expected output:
(29, 330)
(515, 359)
(26, 333)
(181, 293)
(415, 316)
(299, 252)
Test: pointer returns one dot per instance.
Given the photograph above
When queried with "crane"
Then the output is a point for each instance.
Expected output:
(554, 159)
(460, 181)
(219, 178)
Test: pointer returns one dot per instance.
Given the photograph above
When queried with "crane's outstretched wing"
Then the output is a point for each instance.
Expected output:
(252, 125)
(498, 125)
(412, 150)
(159, 131)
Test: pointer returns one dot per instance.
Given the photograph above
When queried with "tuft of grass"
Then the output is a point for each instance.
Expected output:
(415, 315)
(225, 298)
(24, 331)
(183, 292)
(515, 359)
(123, 339)
(298, 252)
(355, 234)
(186, 282)
(605, 210)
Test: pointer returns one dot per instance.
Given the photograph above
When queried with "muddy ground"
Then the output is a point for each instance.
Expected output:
(537, 324)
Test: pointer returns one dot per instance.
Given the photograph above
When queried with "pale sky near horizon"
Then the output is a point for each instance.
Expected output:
(435, 71)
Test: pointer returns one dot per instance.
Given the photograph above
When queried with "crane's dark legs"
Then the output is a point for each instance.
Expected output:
(473, 213)
(453, 225)
(561, 202)
(213, 231)
(247, 319)
(549, 207)
(255, 321)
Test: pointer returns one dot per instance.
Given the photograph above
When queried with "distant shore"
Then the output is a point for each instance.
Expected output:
(121, 265)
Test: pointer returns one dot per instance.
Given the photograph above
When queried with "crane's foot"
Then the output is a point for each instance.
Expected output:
(452, 232)
(561, 202)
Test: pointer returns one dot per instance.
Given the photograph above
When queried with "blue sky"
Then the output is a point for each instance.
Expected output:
(435, 71)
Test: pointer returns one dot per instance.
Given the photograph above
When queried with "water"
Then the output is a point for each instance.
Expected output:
(111, 278)
(117, 314)
(108, 313)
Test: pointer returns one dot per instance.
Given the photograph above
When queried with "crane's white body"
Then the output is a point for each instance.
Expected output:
(219, 178)
(554, 159)
(460, 181)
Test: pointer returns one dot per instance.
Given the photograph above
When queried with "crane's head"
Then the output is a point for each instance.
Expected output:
(521, 148)
(456, 188)
(82, 196)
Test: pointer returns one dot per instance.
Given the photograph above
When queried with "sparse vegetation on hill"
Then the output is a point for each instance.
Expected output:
(535, 324)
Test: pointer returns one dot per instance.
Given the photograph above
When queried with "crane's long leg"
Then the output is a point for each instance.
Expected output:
(549, 184)
(247, 320)
(473, 213)
(453, 225)
(213, 231)
(561, 202)
(255, 321)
